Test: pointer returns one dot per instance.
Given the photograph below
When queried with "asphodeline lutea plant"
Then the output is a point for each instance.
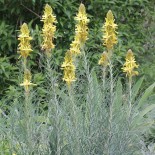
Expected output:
(109, 29)
(130, 65)
(24, 47)
(69, 68)
(27, 81)
(81, 31)
(48, 30)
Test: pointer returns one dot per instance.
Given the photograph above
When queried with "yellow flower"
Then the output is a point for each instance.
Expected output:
(48, 16)
(109, 29)
(81, 29)
(82, 16)
(69, 68)
(130, 64)
(49, 29)
(68, 60)
(104, 59)
(75, 47)
(27, 80)
(81, 33)
(24, 38)
(69, 74)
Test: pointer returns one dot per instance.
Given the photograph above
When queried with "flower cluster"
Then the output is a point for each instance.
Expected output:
(24, 50)
(81, 33)
(27, 81)
(104, 59)
(81, 27)
(130, 64)
(24, 46)
(81, 30)
(109, 38)
(69, 68)
(109, 29)
(49, 29)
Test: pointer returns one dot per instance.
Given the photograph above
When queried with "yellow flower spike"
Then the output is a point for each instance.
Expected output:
(81, 33)
(104, 59)
(69, 69)
(48, 15)
(81, 29)
(82, 16)
(69, 74)
(24, 33)
(24, 46)
(130, 65)
(109, 29)
(27, 81)
(110, 20)
(75, 47)
(68, 59)
(48, 30)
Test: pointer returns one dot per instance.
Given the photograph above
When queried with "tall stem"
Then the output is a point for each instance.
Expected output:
(111, 82)
(74, 118)
(103, 85)
(86, 66)
(90, 95)
(72, 106)
(27, 120)
(103, 77)
(111, 103)
(130, 95)
(53, 97)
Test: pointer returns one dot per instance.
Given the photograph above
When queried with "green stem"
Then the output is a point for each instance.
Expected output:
(111, 103)
(86, 66)
(53, 97)
(89, 104)
(25, 63)
(130, 95)
(103, 81)
(74, 118)
(27, 120)
(72, 106)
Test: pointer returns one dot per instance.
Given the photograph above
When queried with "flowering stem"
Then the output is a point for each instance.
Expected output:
(103, 78)
(111, 82)
(72, 106)
(27, 119)
(89, 103)
(53, 99)
(130, 95)
(86, 67)
(25, 63)
(74, 118)
(111, 103)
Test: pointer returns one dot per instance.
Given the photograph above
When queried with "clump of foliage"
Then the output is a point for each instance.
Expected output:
(94, 113)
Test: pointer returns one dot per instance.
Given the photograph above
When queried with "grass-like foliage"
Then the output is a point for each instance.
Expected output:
(92, 114)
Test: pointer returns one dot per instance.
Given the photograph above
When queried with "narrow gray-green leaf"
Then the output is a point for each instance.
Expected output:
(145, 96)
(136, 88)
(138, 118)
